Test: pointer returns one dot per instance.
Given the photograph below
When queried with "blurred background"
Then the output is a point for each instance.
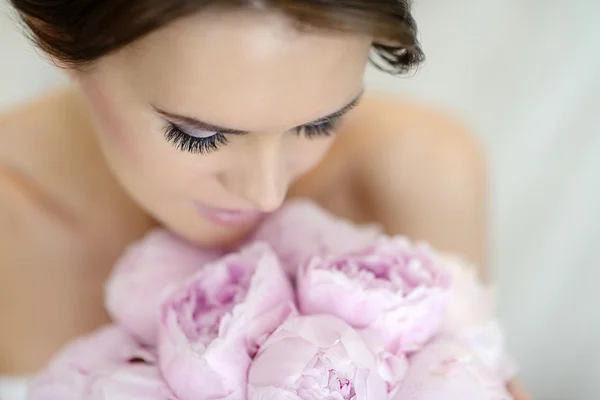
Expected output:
(525, 75)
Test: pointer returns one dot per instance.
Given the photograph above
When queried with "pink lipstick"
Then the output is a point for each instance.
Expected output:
(228, 217)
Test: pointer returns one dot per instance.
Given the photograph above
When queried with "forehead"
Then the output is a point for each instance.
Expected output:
(240, 69)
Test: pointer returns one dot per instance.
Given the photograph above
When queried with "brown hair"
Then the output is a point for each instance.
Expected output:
(80, 32)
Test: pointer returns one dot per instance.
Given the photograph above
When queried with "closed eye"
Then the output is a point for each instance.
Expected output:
(323, 129)
(206, 143)
(210, 138)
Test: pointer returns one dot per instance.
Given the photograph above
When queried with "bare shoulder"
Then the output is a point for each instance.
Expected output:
(50, 158)
(39, 171)
(31, 125)
(405, 147)
(44, 142)
(25, 162)
(421, 173)
(397, 131)
(38, 234)
(31, 215)
(61, 229)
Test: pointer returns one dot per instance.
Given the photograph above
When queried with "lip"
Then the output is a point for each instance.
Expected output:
(228, 217)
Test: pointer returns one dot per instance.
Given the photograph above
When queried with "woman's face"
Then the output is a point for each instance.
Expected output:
(208, 121)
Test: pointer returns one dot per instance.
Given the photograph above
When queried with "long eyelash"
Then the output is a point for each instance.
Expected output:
(192, 144)
(326, 129)
(196, 145)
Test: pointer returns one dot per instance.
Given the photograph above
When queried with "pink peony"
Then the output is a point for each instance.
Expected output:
(301, 230)
(470, 318)
(212, 326)
(393, 291)
(131, 382)
(96, 365)
(145, 275)
(445, 369)
(315, 357)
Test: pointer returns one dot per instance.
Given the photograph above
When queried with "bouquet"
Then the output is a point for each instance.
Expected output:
(310, 307)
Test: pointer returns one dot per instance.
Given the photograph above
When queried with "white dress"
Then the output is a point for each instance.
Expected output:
(13, 388)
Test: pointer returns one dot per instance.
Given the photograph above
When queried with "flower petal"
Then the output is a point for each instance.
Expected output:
(301, 230)
(444, 369)
(212, 326)
(146, 273)
(315, 357)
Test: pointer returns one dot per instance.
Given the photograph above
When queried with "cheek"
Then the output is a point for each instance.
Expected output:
(110, 113)
(130, 136)
(306, 154)
(133, 143)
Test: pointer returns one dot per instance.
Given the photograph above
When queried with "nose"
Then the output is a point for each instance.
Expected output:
(261, 176)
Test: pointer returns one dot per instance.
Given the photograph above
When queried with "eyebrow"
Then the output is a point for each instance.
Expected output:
(194, 123)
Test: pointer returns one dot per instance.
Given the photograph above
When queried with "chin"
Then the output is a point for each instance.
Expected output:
(214, 236)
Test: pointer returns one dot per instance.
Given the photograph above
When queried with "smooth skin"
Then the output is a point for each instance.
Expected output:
(86, 170)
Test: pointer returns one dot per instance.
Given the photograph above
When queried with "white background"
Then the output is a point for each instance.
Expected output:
(525, 74)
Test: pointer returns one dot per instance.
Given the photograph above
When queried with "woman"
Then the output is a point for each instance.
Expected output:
(201, 117)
